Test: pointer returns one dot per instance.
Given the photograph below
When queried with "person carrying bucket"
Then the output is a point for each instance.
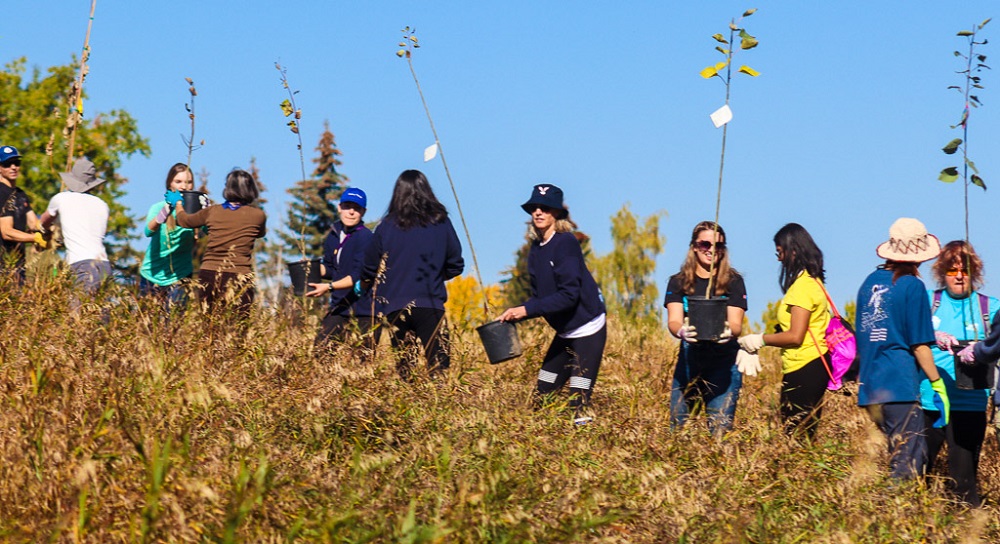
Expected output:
(413, 252)
(168, 262)
(563, 292)
(707, 370)
(226, 272)
(343, 255)
(803, 316)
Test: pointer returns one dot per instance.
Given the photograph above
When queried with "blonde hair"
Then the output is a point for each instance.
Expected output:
(562, 225)
(723, 271)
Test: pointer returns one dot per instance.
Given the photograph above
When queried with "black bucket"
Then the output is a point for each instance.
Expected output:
(708, 316)
(194, 201)
(500, 340)
(971, 376)
(303, 273)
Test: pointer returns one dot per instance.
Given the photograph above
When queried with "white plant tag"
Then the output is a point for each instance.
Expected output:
(430, 152)
(720, 116)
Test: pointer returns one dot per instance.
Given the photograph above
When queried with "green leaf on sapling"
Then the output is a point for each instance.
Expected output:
(748, 43)
(957, 54)
(954, 87)
(751, 11)
(974, 98)
(978, 181)
(400, 53)
(709, 72)
(286, 107)
(719, 38)
(732, 26)
(952, 146)
(978, 86)
(982, 24)
(972, 165)
(949, 175)
(721, 50)
(749, 71)
(964, 33)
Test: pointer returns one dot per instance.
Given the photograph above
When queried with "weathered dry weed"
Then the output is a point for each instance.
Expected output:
(190, 428)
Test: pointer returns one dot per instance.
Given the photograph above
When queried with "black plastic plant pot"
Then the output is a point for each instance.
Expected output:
(708, 316)
(194, 201)
(971, 376)
(303, 273)
(500, 340)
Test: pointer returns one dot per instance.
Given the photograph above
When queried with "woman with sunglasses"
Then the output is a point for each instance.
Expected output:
(706, 371)
(803, 315)
(959, 312)
(566, 295)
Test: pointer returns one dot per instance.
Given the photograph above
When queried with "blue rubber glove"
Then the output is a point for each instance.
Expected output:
(172, 198)
(941, 402)
(358, 289)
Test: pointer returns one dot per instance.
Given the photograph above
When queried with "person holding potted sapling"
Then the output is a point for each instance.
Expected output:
(707, 370)
(343, 255)
(233, 227)
(895, 335)
(563, 292)
(803, 316)
(413, 251)
(167, 263)
(959, 312)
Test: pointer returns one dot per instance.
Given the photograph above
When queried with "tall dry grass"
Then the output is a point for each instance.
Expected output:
(187, 429)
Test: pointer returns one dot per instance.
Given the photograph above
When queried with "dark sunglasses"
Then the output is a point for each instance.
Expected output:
(705, 245)
(11, 162)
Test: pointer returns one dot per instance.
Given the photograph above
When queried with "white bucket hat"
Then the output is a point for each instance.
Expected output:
(909, 242)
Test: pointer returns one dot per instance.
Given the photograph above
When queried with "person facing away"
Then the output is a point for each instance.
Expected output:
(564, 293)
(18, 223)
(894, 335)
(84, 221)
(413, 252)
(706, 371)
(226, 273)
(168, 261)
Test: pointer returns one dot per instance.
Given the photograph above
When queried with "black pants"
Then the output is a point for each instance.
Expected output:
(427, 325)
(801, 397)
(964, 435)
(575, 359)
(336, 328)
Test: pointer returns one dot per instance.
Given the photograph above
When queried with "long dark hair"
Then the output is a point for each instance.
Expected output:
(413, 203)
(800, 253)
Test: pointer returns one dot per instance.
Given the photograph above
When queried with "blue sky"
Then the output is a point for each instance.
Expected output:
(841, 132)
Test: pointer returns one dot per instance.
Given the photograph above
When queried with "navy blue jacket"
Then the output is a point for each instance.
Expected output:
(352, 254)
(418, 262)
(562, 289)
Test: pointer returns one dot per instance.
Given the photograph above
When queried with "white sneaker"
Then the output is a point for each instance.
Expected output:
(583, 416)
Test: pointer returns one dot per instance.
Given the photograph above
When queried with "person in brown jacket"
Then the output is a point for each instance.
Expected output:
(226, 271)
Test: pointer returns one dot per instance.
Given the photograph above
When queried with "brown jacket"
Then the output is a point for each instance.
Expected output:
(231, 235)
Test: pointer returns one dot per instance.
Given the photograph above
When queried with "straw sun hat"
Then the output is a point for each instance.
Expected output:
(909, 242)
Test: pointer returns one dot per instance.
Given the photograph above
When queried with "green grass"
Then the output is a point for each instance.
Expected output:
(150, 429)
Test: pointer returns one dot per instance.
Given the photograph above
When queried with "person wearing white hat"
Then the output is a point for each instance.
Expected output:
(895, 335)
(18, 222)
(84, 221)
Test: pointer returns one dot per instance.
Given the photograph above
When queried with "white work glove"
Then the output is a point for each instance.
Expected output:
(751, 342)
(748, 363)
(687, 332)
(161, 217)
(945, 341)
(727, 334)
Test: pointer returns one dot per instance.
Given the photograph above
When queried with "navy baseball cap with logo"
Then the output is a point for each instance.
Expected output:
(356, 196)
(8, 152)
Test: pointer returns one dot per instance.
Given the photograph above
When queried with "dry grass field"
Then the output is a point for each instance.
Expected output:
(148, 429)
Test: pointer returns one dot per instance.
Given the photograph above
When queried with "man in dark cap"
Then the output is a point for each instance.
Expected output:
(18, 224)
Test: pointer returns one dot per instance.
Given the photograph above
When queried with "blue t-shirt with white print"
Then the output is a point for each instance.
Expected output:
(963, 319)
(891, 319)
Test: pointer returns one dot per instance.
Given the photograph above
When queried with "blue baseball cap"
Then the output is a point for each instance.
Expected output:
(356, 196)
(8, 152)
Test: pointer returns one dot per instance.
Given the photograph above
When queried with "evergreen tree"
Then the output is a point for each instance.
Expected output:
(311, 213)
(33, 119)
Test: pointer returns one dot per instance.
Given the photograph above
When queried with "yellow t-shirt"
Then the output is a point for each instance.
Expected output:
(805, 292)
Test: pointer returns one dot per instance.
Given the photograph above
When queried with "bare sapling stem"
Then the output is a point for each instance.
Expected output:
(75, 116)
(409, 43)
(189, 140)
(289, 109)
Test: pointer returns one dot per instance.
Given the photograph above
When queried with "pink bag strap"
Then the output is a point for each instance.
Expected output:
(826, 365)
(833, 307)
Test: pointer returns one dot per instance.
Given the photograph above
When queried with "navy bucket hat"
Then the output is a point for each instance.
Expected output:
(547, 195)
